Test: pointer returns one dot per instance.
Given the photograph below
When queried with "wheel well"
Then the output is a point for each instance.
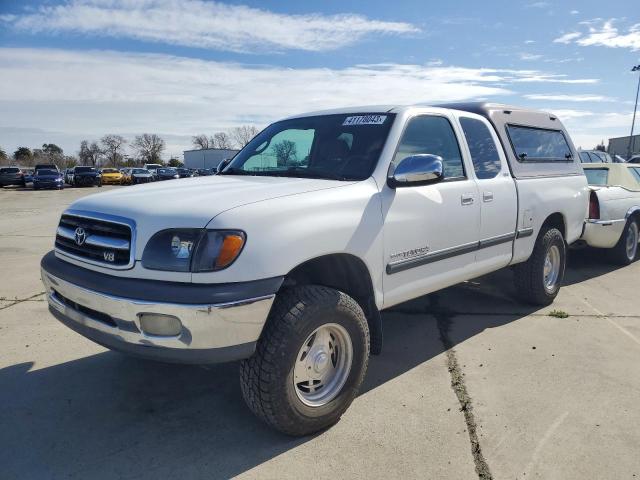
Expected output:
(556, 220)
(348, 274)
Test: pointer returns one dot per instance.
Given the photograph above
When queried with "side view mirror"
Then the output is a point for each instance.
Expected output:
(417, 170)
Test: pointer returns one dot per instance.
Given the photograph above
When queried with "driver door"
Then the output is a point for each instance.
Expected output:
(431, 232)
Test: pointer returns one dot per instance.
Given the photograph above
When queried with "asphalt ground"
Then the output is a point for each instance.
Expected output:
(471, 384)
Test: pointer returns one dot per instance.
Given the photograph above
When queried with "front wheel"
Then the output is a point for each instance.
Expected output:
(626, 249)
(538, 279)
(309, 362)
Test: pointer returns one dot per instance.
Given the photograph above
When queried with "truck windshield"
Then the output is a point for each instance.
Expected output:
(84, 169)
(331, 147)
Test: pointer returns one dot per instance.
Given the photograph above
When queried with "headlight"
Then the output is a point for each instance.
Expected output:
(193, 250)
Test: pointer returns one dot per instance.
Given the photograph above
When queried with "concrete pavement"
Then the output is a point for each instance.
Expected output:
(541, 397)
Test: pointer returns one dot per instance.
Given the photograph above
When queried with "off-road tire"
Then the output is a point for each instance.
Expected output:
(529, 275)
(266, 378)
(618, 254)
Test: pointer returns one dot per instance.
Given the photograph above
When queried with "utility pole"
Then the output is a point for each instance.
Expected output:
(631, 148)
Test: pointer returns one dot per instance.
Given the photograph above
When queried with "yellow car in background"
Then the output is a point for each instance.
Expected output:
(111, 176)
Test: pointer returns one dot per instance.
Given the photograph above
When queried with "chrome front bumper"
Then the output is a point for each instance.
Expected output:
(209, 333)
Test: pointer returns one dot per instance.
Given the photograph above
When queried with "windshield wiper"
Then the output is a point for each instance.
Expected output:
(235, 171)
(306, 173)
(295, 172)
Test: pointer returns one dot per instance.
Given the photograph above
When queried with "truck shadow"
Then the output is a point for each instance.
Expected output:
(108, 415)
(587, 263)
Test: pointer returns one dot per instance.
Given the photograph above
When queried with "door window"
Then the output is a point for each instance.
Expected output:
(433, 135)
(484, 154)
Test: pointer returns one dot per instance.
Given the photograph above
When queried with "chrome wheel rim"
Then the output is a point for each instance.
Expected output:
(551, 268)
(632, 240)
(323, 365)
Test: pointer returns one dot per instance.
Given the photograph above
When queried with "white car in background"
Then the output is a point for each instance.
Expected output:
(614, 209)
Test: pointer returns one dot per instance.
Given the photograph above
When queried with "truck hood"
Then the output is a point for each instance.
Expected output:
(193, 202)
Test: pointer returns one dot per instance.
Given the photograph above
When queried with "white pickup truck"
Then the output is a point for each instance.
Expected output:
(614, 209)
(286, 258)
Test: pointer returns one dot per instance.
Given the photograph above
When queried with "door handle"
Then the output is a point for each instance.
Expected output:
(467, 200)
(487, 196)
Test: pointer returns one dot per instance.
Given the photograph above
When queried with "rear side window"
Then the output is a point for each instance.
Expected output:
(484, 154)
(597, 176)
(538, 145)
(433, 135)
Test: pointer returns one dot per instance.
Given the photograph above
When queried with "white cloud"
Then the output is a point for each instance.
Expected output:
(569, 98)
(567, 37)
(605, 34)
(574, 12)
(210, 25)
(529, 56)
(538, 5)
(89, 93)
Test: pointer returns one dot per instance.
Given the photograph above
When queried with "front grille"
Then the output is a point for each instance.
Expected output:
(103, 241)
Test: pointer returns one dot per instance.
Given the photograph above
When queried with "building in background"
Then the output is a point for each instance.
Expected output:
(207, 157)
(620, 146)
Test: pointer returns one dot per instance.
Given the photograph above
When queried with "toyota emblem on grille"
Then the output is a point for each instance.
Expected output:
(80, 236)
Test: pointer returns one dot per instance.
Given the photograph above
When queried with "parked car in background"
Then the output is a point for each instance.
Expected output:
(167, 174)
(205, 172)
(11, 176)
(86, 176)
(28, 176)
(68, 176)
(634, 159)
(614, 209)
(46, 166)
(111, 176)
(184, 172)
(134, 176)
(618, 159)
(286, 263)
(47, 178)
(594, 156)
(153, 168)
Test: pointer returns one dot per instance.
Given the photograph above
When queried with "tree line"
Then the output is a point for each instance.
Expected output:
(111, 150)
(236, 138)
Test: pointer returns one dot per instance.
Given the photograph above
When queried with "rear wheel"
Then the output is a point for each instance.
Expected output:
(309, 362)
(538, 279)
(626, 249)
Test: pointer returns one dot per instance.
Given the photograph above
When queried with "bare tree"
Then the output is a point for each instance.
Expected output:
(89, 154)
(285, 152)
(113, 146)
(201, 141)
(243, 135)
(222, 140)
(149, 146)
(3, 155)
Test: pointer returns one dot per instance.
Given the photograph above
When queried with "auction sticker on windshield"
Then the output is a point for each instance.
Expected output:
(365, 120)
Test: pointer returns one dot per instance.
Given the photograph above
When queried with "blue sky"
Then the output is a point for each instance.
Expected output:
(79, 69)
